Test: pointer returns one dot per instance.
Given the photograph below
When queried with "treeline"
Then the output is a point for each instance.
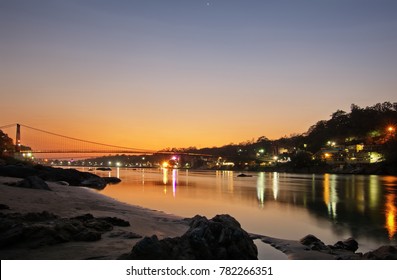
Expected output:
(362, 125)
(6, 144)
(367, 125)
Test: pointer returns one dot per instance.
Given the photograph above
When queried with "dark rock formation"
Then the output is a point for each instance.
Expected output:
(96, 183)
(4, 207)
(349, 244)
(111, 180)
(62, 183)
(33, 182)
(34, 230)
(104, 169)
(382, 253)
(244, 175)
(345, 249)
(313, 243)
(124, 234)
(219, 238)
(18, 171)
(67, 176)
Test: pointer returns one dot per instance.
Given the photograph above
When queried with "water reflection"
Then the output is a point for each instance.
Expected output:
(260, 188)
(330, 195)
(346, 205)
(275, 185)
(390, 212)
(225, 180)
(174, 181)
(165, 175)
(346, 200)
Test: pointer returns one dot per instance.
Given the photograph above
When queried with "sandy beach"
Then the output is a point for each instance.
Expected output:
(68, 201)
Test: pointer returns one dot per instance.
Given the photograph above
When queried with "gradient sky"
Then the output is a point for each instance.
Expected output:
(156, 74)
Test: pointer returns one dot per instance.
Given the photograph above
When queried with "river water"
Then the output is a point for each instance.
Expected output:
(332, 207)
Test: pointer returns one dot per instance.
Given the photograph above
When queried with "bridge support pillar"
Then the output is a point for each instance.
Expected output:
(18, 139)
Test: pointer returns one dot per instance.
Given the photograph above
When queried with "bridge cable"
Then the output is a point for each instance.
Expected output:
(86, 141)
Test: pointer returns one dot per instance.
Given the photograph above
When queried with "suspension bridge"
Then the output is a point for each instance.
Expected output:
(44, 143)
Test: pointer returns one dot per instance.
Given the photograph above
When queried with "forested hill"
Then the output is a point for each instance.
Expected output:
(372, 125)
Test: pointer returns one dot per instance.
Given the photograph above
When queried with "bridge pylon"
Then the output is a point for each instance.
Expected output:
(18, 139)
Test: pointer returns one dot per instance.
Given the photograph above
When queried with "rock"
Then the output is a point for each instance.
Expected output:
(382, 253)
(219, 238)
(63, 183)
(349, 244)
(111, 180)
(116, 221)
(244, 175)
(72, 177)
(33, 182)
(96, 183)
(4, 207)
(18, 171)
(85, 217)
(33, 230)
(125, 234)
(104, 169)
(313, 243)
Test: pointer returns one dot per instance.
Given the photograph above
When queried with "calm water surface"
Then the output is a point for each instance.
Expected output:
(332, 207)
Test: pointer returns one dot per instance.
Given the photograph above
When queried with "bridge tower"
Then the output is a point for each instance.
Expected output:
(18, 139)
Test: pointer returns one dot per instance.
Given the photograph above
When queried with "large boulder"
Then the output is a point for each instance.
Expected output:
(218, 238)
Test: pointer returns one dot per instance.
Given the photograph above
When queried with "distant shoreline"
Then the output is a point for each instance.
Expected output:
(359, 169)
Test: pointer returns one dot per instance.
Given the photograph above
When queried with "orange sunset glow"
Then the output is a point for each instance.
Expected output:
(149, 76)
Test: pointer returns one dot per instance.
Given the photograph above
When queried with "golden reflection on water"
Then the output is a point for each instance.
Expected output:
(390, 207)
(391, 213)
(374, 189)
(275, 185)
(330, 194)
(165, 175)
(260, 188)
(221, 183)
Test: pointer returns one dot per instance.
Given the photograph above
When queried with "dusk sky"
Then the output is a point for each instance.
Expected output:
(155, 74)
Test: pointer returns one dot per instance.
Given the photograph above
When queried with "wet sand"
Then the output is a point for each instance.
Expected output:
(69, 201)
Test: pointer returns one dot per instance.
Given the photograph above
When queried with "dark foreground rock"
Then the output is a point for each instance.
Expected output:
(33, 230)
(218, 238)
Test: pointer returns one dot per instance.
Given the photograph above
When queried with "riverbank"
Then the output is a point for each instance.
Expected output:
(67, 202)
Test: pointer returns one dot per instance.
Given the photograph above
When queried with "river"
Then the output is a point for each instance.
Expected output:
(332, 207)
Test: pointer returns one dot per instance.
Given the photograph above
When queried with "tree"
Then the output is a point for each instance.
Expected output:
(6, 144)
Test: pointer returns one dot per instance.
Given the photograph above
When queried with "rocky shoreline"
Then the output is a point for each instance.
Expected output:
(37, 174)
